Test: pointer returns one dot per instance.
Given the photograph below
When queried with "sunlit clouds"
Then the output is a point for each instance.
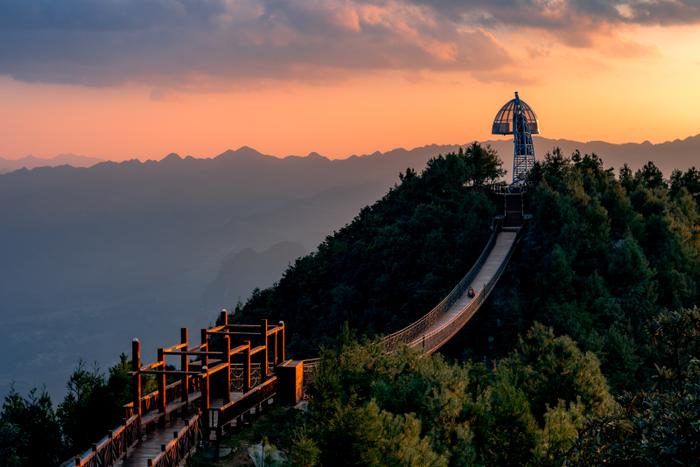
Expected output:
(125, 78)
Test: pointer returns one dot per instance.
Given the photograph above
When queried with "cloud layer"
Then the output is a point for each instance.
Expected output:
(186, 42)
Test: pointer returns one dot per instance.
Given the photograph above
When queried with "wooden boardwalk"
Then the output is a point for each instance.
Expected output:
(152, 443)
(151, 446)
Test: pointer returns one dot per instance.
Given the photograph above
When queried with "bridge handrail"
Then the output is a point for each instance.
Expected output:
(392, 340)
(415, 329)
(255, 397)
(181, 446)
(149, 402)
(411, 333)
(437, 337)
(111, 447)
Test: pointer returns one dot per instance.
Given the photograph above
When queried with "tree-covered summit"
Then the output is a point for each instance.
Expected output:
(394, 261)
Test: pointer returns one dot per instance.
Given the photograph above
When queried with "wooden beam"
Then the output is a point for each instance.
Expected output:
(194, 352)
(215, 329)
(150, 366)
(256, 350)
(175, 347)
(171, 372)
(236, 333)
(239, 349)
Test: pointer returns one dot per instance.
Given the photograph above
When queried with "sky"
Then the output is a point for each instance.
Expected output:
(122, 79)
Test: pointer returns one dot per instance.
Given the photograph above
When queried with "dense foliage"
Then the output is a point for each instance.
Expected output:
(606, 254)
(394, 261)
(609, 266)
(93, 405)
(545, 403)
(603, 261)
(372, 408)
(659, 425)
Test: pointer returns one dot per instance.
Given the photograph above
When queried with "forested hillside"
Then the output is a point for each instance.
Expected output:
(603, 292)
(586, 353)
(394, 261)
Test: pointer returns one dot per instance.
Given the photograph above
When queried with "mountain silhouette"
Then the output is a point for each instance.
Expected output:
(94, 256)
(31, 162)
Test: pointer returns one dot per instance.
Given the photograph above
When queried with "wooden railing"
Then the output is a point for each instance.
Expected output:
(184, 443)
(222, 417)
(212, 371)
(434, 339)
(418, 328)
(113, 446)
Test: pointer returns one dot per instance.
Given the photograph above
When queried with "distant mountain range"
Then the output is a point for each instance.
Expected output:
(94, 256)
(667, 155)
(31, 162)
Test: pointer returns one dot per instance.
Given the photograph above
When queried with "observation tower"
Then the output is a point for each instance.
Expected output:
(518, 119)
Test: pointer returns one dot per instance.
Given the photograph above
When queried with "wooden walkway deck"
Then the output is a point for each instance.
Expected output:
(151, 445)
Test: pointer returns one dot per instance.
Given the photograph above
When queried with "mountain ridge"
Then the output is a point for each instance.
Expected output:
(686, 151)
(102, 245)
(31, 162)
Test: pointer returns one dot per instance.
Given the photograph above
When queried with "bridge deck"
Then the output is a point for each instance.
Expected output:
(499, 254)
(150, 447)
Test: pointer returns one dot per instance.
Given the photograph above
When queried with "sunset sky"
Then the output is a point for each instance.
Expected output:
(121, 79)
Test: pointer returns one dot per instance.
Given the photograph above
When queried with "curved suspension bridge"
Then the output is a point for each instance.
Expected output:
(237, 370)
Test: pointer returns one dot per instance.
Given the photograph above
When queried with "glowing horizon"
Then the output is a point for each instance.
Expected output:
(401, 73)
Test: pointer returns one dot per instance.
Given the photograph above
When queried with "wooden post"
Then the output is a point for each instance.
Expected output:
(205, 347)
(227, 377)
(264, 360)
(136, 368)
(162, 383)
(274, 348)
(184, 366)
(284, 329)
(205, 403)
(226, 380)
(291, 382)
(246, 368)
(205, 389)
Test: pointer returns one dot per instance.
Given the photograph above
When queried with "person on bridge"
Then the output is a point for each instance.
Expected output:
(471, 293)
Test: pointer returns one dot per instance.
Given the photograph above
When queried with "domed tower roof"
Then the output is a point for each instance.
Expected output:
(503, 123)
